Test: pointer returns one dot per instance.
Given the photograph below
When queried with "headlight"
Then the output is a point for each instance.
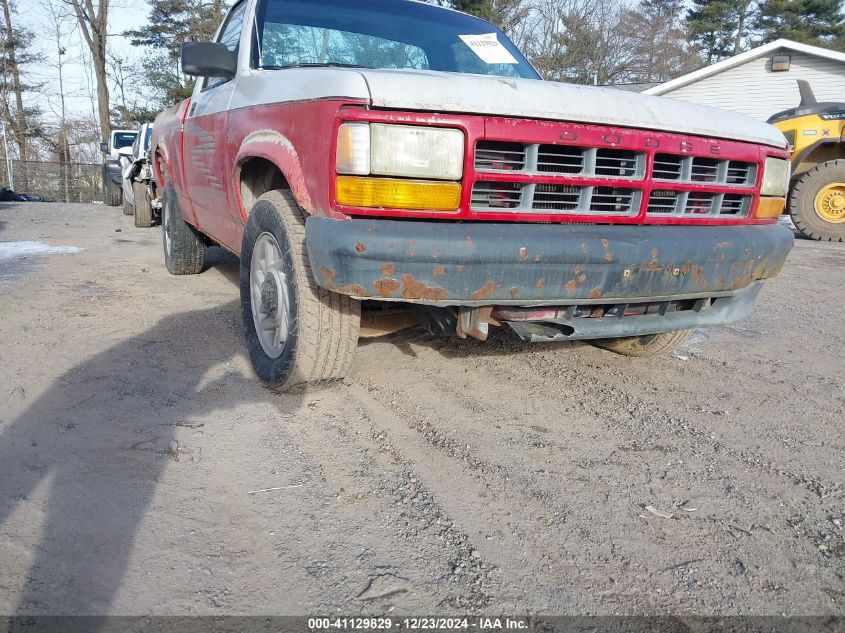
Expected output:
(775, 177)
(400, 150)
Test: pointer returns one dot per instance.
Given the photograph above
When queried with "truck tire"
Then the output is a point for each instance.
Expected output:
(128, 209)
(143, 209)
(112, 195)
(817, 202)
(297, 334)
(648, 345)
(184, 248)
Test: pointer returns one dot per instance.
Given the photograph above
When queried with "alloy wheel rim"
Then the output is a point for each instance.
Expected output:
(269, 296)
(166, 227)
(830, 203)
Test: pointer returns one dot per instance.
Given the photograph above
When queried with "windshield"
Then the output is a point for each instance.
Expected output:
(383, 34)
(124, 139)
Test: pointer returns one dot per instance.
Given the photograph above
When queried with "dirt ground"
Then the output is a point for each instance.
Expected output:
(144, 471)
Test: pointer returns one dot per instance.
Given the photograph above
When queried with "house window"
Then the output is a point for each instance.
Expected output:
(780, 63)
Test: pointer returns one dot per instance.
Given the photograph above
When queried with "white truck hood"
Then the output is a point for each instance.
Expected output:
(526, 98)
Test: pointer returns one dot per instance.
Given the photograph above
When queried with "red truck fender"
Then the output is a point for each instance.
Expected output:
(161, 165)
(277, 149)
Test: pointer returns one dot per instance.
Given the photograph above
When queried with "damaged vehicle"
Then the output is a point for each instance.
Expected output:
(115, 153)
(138, 195)
(376, 164)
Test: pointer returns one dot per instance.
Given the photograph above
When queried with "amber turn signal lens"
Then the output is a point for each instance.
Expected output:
(393, 193)
(770, 207)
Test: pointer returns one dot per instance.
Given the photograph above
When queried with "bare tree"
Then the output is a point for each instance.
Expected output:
(61, 28)
(93, 23)
(14, 54)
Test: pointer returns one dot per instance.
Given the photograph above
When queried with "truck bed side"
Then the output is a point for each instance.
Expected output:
(168, 154)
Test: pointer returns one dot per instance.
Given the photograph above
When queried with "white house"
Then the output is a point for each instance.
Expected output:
(761, 82)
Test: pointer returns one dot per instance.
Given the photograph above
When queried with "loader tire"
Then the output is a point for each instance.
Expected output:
(817, 202)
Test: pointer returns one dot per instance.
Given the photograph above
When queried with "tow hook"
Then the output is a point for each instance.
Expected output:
(474, 322)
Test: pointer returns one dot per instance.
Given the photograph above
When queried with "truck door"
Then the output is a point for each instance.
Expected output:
(207, 168)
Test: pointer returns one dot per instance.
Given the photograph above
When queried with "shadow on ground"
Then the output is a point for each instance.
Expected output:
(99, 439)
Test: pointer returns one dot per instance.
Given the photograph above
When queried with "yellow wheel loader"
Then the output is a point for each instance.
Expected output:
(816, 133)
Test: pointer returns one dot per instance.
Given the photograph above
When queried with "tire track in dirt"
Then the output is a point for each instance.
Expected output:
(476, 495)
(634, 422)
(376, 480)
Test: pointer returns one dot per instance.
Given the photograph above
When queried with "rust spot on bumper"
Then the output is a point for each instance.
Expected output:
(328, 277)
(356, 290)
(413, 288)
(386, 287)
(484, 291)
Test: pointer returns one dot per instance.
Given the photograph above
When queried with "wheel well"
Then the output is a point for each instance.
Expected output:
(160, 168)
(821, 153)
(257, 176)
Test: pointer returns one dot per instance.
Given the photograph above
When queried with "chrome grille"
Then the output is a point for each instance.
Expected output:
(663, 201)
(557, 197)
(495, 156)
(697, 203)
(613, 200)
(734, 204)
(698, 169)
(742, 173)
(668, 167)
(506, 196)
(617, 162)
(560, 159)
(496, 196)
(560, 178)
(572, 160)
(704, 170)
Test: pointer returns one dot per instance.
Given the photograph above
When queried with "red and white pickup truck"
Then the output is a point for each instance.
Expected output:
(401, 158)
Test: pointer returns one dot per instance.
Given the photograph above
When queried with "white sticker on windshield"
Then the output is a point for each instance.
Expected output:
(489, 48)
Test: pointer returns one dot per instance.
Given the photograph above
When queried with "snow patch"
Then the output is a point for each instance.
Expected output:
(16, 250)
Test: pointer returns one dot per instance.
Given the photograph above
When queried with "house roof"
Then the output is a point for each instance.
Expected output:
(742, 58)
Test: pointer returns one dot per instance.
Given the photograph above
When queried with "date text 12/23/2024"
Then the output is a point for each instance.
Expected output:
(418, 623)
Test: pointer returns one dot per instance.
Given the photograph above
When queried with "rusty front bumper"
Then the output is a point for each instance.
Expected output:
(476, 264)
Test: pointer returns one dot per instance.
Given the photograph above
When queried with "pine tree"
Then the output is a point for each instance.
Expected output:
(171, 23)
(719, 27)
(818, 22)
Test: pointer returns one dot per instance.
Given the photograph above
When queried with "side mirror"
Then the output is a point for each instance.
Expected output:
(104, 147)
(208, 59)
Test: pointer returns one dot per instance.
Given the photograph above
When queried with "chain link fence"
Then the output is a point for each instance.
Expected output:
(62, 182)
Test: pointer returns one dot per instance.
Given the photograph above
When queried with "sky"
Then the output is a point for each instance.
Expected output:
(35, 15)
